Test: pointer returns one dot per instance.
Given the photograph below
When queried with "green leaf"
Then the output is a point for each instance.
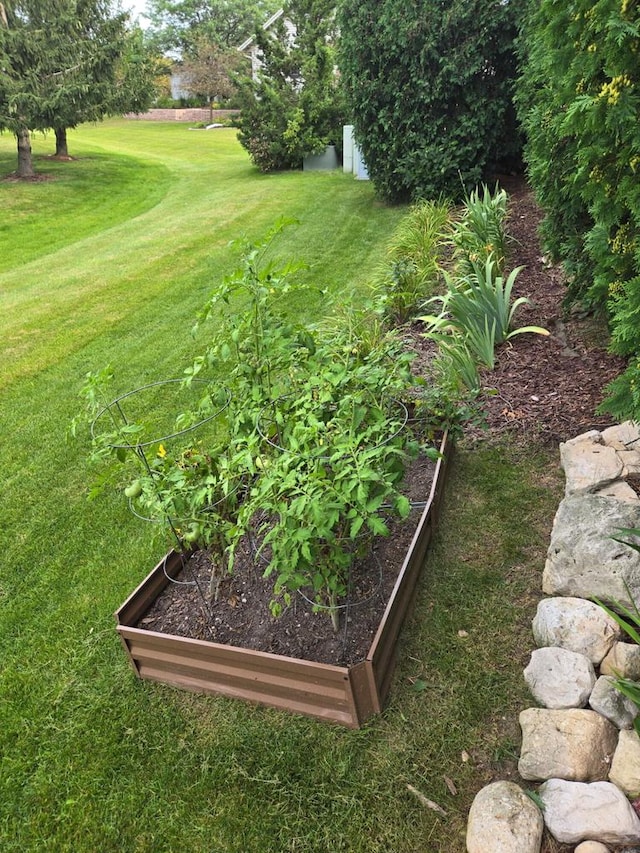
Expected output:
(356, 524)
(403, 506)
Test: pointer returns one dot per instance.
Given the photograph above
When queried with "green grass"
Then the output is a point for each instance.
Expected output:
(93, 760)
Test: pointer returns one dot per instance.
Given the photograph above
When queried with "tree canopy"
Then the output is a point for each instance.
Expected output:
(179, 25)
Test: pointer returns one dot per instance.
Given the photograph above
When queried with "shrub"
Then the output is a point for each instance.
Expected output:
(580, 105)
(429, 87)
(293, 107)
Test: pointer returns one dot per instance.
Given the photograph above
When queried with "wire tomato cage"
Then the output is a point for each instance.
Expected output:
(127, 437)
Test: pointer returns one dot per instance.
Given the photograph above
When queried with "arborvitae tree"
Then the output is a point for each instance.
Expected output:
(294, 105)
(64, 62)
(579, 97)
(429, 85)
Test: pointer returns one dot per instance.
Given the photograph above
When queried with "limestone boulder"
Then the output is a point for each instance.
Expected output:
(622, 436)
(559, 678)
(623, 660)
(503, 819)
(619, 490)
(625, 767)
(583, 560)
(574, 744)
(588, 466)
(576, 811)
(612, 704)
(630, 462)
(576, 625)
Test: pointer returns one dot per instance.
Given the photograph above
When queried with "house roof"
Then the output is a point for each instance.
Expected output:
(265, 26)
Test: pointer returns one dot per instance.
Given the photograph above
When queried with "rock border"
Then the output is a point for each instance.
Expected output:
(579, 742)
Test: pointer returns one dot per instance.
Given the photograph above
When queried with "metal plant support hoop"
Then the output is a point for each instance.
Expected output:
(209, 508)
(116, 412)
(142, 444)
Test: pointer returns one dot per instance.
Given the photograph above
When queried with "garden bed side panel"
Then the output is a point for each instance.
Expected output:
(329, 693)
(382, 654)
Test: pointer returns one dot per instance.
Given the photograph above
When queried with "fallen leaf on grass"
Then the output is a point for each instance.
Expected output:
(450, 785)
(426, 802)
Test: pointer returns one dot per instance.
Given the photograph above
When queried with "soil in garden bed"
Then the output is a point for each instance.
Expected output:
(241, 616)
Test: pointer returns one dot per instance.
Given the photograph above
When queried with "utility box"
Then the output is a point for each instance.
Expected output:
(359, 166)
(321, 162)
(347, 149)
(352, 159)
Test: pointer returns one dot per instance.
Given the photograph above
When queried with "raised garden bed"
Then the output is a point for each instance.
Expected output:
(348, 695)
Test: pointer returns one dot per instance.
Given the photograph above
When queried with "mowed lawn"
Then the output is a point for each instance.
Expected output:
(107, 260)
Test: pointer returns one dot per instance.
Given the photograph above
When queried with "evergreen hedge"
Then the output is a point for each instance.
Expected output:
(429, 85)
(579, 100)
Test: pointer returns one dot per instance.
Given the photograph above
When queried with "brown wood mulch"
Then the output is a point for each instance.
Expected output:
(546, 388)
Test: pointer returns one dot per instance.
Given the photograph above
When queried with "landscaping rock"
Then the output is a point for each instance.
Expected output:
(630, 462)
(503, 819)
(559, 678)
(575, 812)
(619, 491)
(583, 560)
(576, 625)
(622, 660)
(588, 466)
(574, 744)
(621, 436)
(593, 436)
(612, 704)
(625, 767)
(591, 847)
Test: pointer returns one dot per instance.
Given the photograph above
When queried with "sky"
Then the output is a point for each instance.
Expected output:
(136, 7)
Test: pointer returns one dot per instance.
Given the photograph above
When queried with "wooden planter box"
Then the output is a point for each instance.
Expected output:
(344, 695)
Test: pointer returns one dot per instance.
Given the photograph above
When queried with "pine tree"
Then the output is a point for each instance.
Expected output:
(64, 62)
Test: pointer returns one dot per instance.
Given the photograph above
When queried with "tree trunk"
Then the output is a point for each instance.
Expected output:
(25, 161)
(61, 142)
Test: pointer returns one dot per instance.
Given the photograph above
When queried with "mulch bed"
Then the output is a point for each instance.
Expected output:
(546, 388)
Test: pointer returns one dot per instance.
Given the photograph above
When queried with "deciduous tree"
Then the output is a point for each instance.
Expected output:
(209, 72)
(178, 25)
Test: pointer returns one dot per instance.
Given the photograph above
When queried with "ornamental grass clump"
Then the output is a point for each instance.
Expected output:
(411, 271)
